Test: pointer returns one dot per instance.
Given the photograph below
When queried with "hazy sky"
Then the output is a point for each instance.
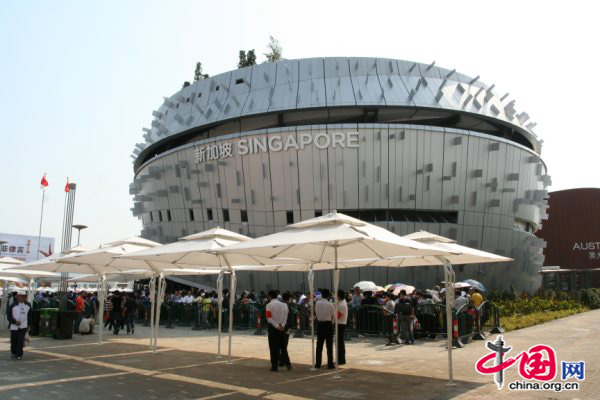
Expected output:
(79, 80)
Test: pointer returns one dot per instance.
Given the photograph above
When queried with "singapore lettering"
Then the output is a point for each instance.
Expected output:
(255, 145)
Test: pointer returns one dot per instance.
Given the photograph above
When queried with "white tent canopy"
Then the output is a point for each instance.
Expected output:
(195, 254)
(328, 239)
(457, 254)
(98, 261)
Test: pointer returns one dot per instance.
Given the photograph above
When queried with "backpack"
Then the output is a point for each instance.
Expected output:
(403, 308)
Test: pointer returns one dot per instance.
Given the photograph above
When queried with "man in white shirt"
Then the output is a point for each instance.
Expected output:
(325, 314)
(19, 316)
(277, 313)
(188, 298)
(342, 315)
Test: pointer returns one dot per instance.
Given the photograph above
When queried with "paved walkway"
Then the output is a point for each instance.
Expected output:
(186, 367)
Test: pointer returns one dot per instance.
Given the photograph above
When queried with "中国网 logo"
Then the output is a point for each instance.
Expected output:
(538, 367)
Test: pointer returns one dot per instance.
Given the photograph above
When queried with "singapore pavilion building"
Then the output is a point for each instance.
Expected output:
(404, 145)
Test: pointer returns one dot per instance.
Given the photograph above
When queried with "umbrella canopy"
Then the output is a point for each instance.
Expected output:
(9, 262)
(193, 251)
(407, 288)
(316, 240)
(100, 260)
(28, 274)
(366, 286)
(15, 279)
(475, 284)
(50, 263)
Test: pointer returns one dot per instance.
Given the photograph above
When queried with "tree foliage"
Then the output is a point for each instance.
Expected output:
(247, 59)
(185, 84)
(275, 50)
(198, 75)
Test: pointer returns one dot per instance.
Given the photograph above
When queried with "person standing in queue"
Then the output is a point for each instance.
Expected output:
(284, 357)
(342, 315)
(277, 313)
(117, 308)
(325, 313)
(19, 317)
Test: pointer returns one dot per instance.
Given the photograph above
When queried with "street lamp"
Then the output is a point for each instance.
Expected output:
(79, 228)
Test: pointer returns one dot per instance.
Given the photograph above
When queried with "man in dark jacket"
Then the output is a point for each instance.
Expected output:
(19, 317)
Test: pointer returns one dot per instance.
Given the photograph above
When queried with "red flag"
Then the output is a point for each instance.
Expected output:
(43, 183)
(67, 186)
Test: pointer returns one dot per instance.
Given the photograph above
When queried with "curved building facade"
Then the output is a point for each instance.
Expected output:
(407, 146)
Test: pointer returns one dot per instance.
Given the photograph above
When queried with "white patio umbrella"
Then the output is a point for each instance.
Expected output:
(98, 261)
(198, 252)
(457, 254)
(366, 286)
(328, 239)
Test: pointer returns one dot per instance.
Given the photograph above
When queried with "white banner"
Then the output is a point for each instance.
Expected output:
(24, 248)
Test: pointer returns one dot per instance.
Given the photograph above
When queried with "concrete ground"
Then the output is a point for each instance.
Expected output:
(186, 367)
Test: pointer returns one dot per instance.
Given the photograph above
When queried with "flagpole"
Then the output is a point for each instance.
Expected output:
(41, 219)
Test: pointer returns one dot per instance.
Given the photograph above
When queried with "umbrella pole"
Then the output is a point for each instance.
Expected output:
(220, 316)
(101, 297)
(152, 290)
(449, 282)
(231, 301)
(162, 285)
(311, 286)
(336, 282)
(30, 291)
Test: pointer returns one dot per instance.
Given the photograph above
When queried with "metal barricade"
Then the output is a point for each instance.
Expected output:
(366, 320)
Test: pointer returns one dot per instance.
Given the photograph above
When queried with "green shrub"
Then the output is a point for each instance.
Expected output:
(523, 321)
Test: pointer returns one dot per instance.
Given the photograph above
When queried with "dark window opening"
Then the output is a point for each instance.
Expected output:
(177, 106)
(318, 213)
(403, 215)
(225, 215)
(199, 94)
(191, 211)
(238, 81)
(209, 214)
(160, 216)
(151, 217)
(244, 215)
(188, 100)
(169, 215)
(217, 88)
(290, 217)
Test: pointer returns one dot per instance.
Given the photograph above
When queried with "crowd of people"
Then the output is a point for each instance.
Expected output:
(122, 309)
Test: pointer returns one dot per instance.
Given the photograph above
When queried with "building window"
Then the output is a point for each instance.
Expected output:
(225, 215)
(188, 100)
(159, 216)
(151, 217)
(289, 215)
(239, 81)
(209, 214)
(244, 215)
(403, 215)
(199, 94)
(169, 215)
(318, 213)
(217, 88)
(191, 211)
